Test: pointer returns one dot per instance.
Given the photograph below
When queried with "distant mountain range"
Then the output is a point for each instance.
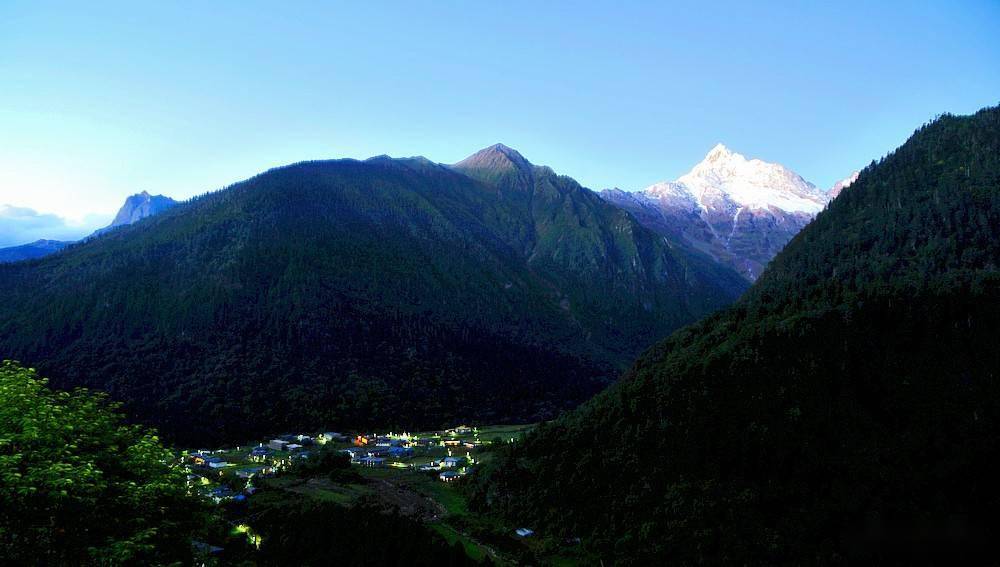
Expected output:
(739, 211)
(136, 208)
(388, 292)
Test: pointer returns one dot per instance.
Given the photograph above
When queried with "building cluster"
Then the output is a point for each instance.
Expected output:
(450, 455)
(207, 468)
(228, 474)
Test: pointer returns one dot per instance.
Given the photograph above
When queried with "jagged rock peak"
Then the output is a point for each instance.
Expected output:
(140, 206)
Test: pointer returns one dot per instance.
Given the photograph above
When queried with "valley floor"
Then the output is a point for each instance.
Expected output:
(416, 475)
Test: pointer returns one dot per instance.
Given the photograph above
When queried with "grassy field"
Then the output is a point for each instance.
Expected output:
(323, 489)
(472, 548)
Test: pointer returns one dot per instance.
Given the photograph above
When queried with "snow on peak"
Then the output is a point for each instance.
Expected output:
(674, 195)
(665, 188)
(843, 184)
(719, 153)
(726, 177)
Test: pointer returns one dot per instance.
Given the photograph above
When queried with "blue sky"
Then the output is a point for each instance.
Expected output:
(100, 100)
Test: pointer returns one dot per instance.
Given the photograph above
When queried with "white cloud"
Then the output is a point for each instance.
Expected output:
(20, 225)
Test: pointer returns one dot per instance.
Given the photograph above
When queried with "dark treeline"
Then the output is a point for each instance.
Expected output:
(299, 531)
(845, 410)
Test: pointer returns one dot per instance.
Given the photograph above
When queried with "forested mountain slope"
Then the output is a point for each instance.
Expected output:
(845, 410)
(390, 293)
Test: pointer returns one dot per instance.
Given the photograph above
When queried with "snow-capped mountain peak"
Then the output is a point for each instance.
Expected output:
(726, 176)
(721, 153)
(740, 211)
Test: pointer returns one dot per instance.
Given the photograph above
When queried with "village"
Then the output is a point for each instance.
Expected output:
(450, 454)
(414, 472)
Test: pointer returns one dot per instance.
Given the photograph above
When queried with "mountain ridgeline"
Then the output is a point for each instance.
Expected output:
(385, 292)
(845, 410)
(32, 250)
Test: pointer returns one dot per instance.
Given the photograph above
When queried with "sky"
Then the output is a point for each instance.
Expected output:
(99, 100)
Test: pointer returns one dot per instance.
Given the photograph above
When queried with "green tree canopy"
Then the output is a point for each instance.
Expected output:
(79, 486)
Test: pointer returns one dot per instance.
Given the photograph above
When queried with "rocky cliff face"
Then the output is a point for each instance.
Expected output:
(140, 206)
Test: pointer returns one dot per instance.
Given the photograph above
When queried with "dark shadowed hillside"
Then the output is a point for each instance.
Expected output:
(32, 250)
(845, 410)
(397, 293)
